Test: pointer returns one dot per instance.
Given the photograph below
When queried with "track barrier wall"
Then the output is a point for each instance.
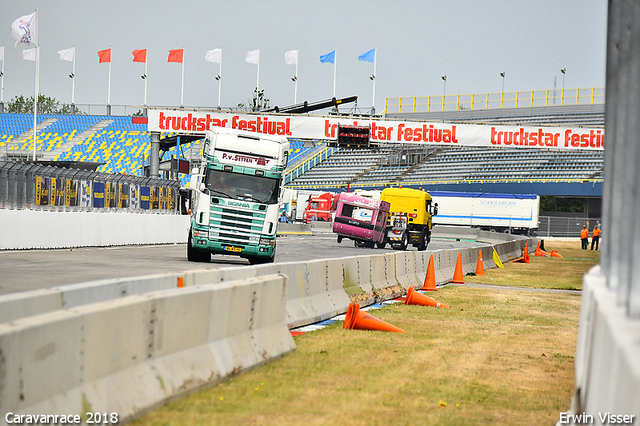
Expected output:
(32, 229)
(132, 354)
(601, 364)
(71, 346)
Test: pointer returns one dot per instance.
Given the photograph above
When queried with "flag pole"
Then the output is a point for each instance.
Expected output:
(109, 86)
(373, 99)
(220, 79)
(295, 93)
(182, 90)
(335, 60)
(73, 80)
(258, 82)
(146, 76)
(36, 89)
(2, 84)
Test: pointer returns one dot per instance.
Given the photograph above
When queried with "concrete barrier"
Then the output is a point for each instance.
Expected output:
(20, 305)
(607, 363)
(405, 266)
(451, 232)
(357, 279)
(377, 277)
(129, 355)
(29, 229)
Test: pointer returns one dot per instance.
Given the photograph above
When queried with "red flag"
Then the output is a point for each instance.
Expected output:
(176, 55)
(104, 56)
(140, 55)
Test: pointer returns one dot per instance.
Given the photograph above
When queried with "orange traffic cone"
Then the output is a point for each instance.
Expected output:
(480, 265)
(458, 277)
(361, 320)
(539, 251)
(555, 254)
(430, 278)
(416, 298)
(525, 255)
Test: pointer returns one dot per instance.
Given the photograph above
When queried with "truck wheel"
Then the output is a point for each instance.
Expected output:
(339, 239)
(423, 242)
(404, 243)
(381, 245)
(195, 255)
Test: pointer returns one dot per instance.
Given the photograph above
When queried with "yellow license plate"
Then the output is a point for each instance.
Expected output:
(230, 248)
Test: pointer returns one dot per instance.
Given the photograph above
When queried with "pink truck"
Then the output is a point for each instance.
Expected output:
(361, 219)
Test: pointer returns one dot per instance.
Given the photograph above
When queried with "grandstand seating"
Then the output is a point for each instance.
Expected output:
(122, 147)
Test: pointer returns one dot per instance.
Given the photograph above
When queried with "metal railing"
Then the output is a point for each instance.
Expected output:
(559, 226)
(528, 98)
(35, 187)
(306, 165)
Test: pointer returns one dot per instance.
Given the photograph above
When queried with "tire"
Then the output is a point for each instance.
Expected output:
(339, 239)
(423, 242)
(195, 255)
(381, 245)
(404, 243)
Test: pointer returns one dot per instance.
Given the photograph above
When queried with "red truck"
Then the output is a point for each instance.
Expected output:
(321, 207)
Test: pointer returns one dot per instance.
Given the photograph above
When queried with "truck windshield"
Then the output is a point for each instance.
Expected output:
(238, 186)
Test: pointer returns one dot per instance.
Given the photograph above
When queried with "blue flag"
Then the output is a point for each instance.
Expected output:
(368, 56)
(329, 57)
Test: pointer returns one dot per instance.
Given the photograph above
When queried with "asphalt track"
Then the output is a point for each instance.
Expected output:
(26, 270)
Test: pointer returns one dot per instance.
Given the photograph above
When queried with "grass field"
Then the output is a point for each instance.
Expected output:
(498, 357)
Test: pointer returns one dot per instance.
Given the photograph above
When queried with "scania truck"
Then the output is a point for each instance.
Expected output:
(235, 202)
(410, 218)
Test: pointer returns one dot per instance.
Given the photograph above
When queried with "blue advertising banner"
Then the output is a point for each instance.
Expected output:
(144, 197)
(98, 195)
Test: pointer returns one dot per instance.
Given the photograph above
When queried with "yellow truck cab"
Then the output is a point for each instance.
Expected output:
(410, 216)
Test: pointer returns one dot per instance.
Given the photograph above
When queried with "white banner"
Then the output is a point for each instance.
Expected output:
(317, 127)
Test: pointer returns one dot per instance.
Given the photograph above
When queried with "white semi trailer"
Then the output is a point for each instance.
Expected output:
(514, 213)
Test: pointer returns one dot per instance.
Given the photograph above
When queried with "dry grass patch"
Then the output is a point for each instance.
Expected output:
(497, 357)
(545, 272)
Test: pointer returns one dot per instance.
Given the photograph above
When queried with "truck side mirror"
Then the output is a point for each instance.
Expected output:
(435, 209)
(202, 187)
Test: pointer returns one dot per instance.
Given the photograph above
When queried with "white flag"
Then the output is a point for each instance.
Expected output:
(2, 53)
(67, 54)
(29, 54)
(23, 29)
(291, 57)
(214, 55)
(253, 56)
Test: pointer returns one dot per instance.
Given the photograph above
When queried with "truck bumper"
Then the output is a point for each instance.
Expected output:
(244, 250)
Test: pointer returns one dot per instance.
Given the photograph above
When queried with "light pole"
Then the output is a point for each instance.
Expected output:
(564, 72)
(502, 74)
(444, 89)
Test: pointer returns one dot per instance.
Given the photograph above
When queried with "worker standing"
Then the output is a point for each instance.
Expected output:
(584, 236)
(596, 236)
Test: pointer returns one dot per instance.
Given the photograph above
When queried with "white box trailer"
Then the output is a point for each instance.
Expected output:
(515, 213)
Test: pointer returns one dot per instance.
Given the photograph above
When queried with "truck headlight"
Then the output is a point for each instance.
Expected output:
(201, 234)
(267, 241)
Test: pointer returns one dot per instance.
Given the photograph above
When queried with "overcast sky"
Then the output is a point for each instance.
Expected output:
(471, 41)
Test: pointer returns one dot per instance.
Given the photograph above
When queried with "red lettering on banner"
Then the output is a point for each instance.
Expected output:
(330, 129)
(495, 138)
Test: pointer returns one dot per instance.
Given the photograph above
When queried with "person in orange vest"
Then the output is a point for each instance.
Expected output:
(596, 236)
(584, 236)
